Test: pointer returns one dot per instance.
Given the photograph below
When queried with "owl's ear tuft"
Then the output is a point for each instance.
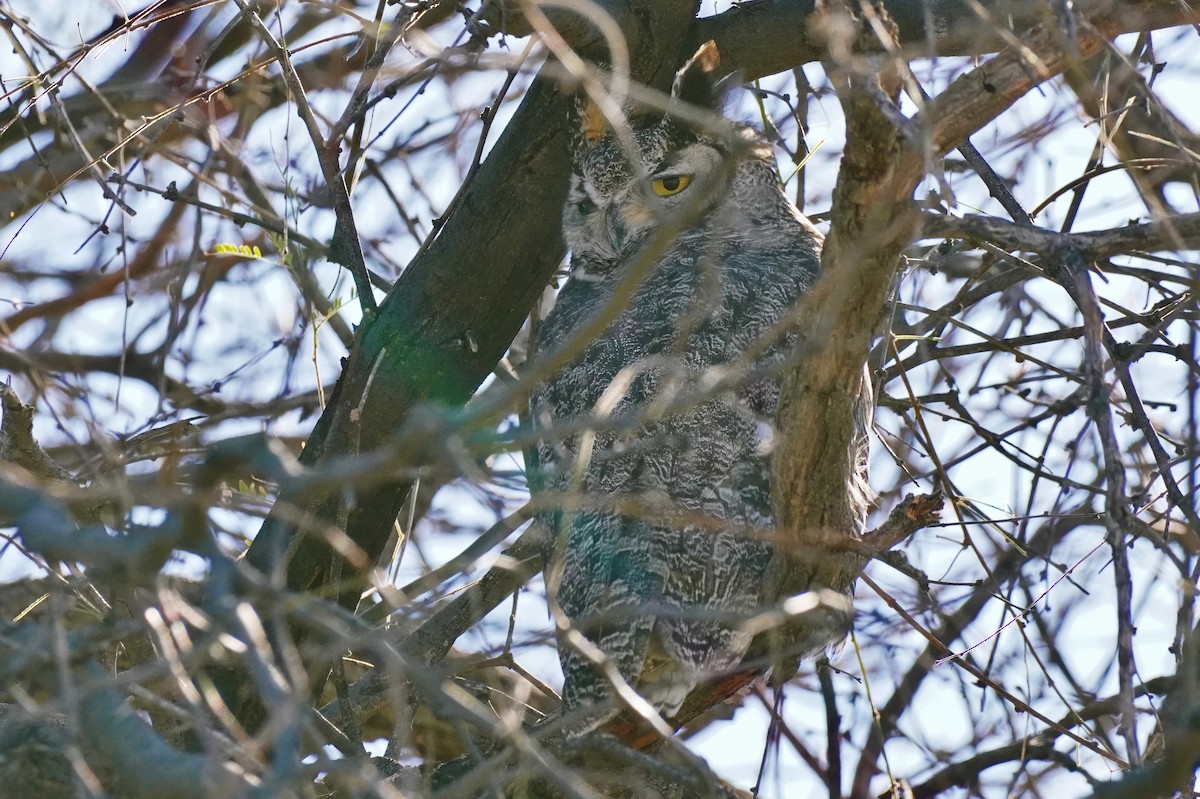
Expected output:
(697, 83)
(592, 124)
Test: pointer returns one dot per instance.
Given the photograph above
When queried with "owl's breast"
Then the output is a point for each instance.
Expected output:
(676, 382)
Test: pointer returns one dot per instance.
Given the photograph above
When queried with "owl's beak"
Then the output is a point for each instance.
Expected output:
(615, 227)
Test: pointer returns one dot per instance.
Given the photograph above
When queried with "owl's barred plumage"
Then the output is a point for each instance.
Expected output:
(663, 545)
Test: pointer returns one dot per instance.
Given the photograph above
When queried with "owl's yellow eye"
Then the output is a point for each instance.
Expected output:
(670, 185)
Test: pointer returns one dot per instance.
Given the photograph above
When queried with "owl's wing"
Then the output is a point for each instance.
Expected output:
(606, 585)
(600, 568)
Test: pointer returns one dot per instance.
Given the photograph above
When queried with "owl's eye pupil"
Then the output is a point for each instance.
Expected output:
(671, 183)
(585, 206)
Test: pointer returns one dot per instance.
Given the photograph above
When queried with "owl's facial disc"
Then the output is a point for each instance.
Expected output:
(615, 204)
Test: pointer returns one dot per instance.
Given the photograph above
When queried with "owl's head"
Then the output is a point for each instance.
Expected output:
(627, 180)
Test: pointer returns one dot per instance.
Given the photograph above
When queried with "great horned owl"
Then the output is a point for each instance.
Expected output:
(688, 256)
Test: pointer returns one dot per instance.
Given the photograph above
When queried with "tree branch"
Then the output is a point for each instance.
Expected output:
(1180, 232)
(764, 37)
